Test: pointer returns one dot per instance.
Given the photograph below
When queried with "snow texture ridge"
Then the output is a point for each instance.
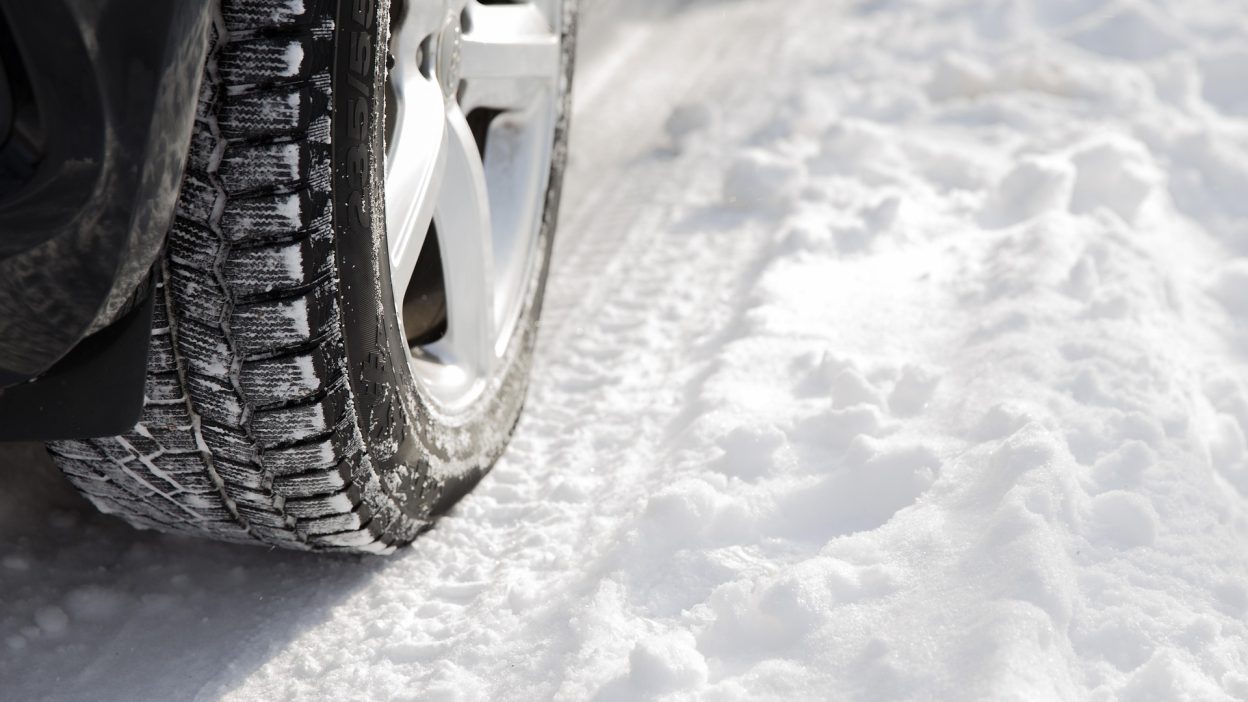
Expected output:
(906, 364)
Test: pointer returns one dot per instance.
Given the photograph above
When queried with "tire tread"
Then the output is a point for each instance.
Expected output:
(249, 430)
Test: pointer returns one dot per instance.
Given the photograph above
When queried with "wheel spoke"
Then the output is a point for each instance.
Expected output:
(416, 155)
(505, 49)
(464, 236)
(414, 174)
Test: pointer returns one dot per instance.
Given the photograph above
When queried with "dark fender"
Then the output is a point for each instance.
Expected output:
(101, 98)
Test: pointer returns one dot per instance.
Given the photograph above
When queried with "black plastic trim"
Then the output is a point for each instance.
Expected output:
(95, 391)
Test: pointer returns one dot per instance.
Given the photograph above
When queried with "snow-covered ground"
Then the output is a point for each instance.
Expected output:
(896, 350)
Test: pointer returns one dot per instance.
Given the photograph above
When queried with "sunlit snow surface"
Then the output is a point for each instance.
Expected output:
(894, 350)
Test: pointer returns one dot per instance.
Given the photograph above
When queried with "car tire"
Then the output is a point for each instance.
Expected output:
(281, 404)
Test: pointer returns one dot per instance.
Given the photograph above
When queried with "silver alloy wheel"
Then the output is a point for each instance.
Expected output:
(472, 107)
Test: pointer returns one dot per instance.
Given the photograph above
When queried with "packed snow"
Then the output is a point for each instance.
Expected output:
(896, 349)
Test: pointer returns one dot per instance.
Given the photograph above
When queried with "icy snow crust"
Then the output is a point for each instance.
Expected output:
(894, 350)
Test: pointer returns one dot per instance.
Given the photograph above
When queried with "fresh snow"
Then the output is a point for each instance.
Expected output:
(895, 349)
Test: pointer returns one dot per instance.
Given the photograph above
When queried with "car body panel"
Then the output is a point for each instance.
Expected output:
(115, 84)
